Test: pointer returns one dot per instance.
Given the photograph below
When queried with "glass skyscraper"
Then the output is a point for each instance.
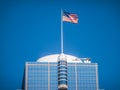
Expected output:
(61, 72)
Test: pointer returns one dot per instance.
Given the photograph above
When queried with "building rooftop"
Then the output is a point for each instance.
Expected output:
(70, 58)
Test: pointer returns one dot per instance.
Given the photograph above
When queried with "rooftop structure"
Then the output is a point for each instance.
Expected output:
(61, 72)
(70, 59)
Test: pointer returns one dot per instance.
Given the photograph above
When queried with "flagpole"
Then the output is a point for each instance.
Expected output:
(62, 32)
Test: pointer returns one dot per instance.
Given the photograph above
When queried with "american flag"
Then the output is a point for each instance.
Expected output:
(69, 17)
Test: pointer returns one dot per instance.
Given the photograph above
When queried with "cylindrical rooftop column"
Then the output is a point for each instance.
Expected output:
(62, 72)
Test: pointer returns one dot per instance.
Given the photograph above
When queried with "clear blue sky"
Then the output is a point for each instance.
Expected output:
(30, 29)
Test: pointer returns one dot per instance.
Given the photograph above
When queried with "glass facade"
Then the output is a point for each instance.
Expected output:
(46, 76)
(41, 76)
(82, 76)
